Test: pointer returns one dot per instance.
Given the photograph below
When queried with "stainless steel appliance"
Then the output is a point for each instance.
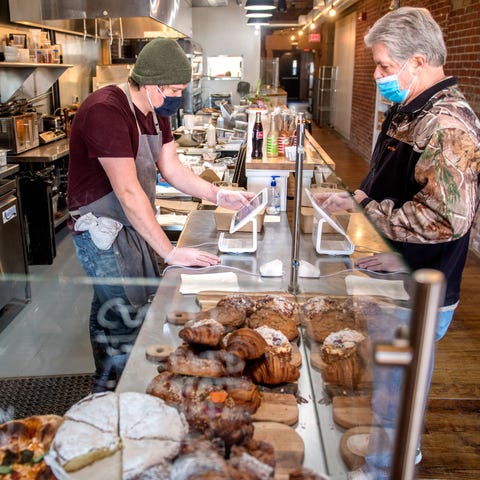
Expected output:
(19, 133)
(192, 95)
(14, 286)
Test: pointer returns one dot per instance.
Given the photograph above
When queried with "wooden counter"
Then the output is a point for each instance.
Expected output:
(260, 172)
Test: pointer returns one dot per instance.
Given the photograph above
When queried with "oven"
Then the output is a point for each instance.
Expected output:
(14, 286)
(19, 133)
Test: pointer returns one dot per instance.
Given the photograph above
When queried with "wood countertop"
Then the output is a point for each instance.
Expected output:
(314, 155)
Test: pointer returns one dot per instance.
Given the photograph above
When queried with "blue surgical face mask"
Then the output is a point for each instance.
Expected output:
(170, 105)
(390, 89)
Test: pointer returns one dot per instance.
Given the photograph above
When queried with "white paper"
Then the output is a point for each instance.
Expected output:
(394, 289)
(224, 282)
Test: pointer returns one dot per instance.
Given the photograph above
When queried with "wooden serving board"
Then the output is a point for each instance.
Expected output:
(355, 443)
(349, 412)
(289, 446)
(277, 407)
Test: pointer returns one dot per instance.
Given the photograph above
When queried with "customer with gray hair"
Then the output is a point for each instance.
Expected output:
(422, 186)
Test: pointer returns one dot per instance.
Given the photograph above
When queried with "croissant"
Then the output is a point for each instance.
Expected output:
(246, 343)
(273, 370)
(180, 389)
(203, 332)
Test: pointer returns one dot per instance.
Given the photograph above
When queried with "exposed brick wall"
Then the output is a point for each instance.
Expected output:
(460, 22)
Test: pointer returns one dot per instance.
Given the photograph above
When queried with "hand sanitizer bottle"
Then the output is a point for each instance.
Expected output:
(273, 198)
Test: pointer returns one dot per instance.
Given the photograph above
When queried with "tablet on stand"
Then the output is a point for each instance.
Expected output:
(328, 244)
(244, 242)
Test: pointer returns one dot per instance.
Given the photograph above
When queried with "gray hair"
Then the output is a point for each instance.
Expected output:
(408, 31)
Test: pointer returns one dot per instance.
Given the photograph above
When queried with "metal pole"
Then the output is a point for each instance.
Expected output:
(300, 154)
(430, 293)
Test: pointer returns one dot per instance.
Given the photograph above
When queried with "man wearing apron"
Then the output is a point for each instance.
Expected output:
(120, 136)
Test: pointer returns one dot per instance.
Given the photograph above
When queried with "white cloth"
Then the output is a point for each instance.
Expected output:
(357, 285)
(272, 269)
(225, 282)
(103, 230)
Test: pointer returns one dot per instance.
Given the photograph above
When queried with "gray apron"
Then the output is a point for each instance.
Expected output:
(135, 258)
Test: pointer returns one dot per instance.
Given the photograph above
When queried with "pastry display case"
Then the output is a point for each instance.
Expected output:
(329, 361)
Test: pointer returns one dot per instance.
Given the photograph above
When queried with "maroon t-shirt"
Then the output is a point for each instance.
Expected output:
(104, 126)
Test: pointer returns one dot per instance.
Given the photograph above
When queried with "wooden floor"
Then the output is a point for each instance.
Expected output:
(451, 439)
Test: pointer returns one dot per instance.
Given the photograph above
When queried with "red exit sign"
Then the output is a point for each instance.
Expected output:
(314, 37)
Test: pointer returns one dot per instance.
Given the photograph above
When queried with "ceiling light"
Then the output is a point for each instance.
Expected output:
(257, 21)
(312, 26)
(259, 5)
(332, 12)
(258, 13)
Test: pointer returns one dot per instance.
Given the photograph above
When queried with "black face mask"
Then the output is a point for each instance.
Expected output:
(170, 105)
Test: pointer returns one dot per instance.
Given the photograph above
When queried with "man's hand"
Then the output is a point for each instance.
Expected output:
(192, 257)
(233, 199)
(382, 262)
(334, 202)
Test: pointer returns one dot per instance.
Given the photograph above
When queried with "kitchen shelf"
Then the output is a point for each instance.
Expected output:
(13, 76)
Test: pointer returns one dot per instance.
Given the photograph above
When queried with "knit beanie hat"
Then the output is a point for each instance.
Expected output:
(162, 62)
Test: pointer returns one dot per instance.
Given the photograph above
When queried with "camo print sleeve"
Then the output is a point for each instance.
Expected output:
(444, 209)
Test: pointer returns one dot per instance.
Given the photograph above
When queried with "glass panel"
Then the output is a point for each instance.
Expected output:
(224, 66)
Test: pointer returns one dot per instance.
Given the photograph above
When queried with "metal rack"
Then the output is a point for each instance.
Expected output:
(324, 93)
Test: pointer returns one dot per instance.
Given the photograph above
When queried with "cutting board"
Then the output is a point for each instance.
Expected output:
(289, 446)
(353, 411)
(278, 407)
(354, 444)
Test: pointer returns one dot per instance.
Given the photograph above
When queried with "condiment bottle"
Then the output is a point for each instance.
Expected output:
(283, 136)
(211, 136)
(272, 137)
(257, 136)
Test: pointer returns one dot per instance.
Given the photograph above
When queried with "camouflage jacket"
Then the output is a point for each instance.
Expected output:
(423, 180)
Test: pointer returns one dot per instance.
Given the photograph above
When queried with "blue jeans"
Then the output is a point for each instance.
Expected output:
(114, 323)
(386, 402)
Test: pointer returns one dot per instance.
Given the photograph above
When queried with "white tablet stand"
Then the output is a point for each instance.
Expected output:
(239, 245)
(326, 244)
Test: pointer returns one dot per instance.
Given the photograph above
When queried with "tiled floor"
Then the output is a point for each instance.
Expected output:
(50, 335)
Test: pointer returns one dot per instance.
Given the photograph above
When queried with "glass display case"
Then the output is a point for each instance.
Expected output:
(361, 368)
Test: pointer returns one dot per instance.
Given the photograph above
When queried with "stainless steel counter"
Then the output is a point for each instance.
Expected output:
(47, 153)
(316, 426)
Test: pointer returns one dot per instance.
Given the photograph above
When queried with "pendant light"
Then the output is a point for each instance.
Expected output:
(260, 5)
(259, 14)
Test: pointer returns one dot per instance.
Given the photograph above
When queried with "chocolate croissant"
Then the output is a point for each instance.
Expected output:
(207, 332)
(273, 370)
(246, 343)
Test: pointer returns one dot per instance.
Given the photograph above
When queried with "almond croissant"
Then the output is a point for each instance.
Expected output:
(202, 332)
(246, 343)
(273, 370)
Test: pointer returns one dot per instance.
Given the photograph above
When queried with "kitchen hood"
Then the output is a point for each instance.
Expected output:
(107, 18)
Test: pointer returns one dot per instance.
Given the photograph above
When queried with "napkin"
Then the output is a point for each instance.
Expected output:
(225, 282)
(394, 289)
